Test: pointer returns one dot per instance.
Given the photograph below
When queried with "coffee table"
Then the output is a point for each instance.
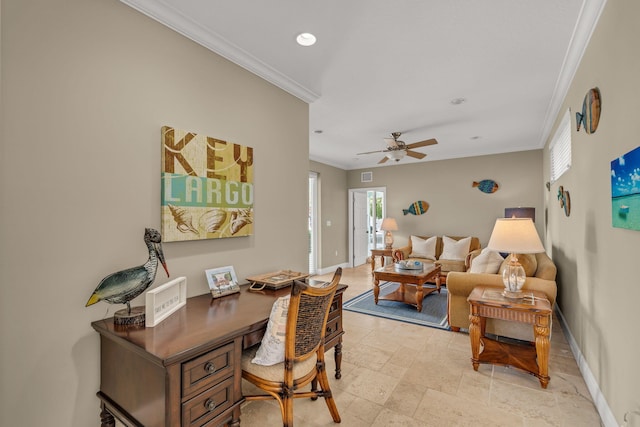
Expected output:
(411, 288)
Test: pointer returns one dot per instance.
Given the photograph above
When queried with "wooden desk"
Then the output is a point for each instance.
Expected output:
(381, 253)
(186, 370)
(534, 358)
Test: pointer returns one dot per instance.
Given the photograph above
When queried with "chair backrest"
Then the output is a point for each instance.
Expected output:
(307, 318)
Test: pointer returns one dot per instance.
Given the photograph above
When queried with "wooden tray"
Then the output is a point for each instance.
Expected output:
(275, 280)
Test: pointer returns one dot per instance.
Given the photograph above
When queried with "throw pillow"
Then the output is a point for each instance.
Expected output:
(421, 248)
(271, 349)
(487, 262)
(528, 262)
(455, 249)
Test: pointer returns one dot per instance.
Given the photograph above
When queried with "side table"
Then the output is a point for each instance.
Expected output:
(535, 309)
(381, 253)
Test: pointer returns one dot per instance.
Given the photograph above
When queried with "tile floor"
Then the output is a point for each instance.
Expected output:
(398, 374)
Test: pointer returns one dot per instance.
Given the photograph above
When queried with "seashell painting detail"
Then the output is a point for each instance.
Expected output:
(213, 219)
(184, 221)
(239, 219)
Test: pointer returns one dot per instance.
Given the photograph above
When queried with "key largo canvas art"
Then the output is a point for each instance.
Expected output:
(625, 190)
(207, 187)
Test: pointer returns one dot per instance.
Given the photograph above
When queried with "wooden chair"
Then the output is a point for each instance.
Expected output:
(304, 352)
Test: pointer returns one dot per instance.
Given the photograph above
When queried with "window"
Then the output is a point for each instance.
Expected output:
(560, 149)
(313, 222)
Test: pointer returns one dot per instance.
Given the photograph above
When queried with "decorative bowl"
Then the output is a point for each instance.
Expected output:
(408, 265)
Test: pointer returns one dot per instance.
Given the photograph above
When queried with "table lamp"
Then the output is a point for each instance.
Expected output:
(388, 225)
(515, 236)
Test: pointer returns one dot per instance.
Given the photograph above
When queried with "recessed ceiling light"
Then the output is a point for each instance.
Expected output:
(457, 101)
(306, 39)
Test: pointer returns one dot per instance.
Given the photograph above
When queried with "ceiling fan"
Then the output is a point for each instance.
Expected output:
(397, 149)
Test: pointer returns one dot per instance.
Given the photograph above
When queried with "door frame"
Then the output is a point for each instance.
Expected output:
(361, 190)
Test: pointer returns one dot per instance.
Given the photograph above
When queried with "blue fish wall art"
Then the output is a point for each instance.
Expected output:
(590, 116)
(486, 186)
(417, 208)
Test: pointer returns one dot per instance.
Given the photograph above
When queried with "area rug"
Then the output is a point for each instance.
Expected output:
(434, 307)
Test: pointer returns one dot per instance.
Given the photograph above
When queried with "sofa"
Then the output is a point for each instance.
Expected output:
(541, 276)
(449, 252)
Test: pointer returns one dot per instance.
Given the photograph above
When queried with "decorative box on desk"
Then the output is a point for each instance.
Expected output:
(275, 280)
(186, 370)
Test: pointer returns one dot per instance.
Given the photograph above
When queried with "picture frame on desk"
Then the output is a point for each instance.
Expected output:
(164, 300)
(222, 281)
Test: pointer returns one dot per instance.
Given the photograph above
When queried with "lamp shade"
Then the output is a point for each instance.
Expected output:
(389, 224)
(515, 235)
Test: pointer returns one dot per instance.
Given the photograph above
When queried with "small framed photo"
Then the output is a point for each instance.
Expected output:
(164, 300)
(222, 281)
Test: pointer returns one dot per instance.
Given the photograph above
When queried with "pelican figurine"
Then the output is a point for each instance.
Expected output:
(123, 286)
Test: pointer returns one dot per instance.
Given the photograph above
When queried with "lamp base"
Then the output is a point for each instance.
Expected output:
(513, 295)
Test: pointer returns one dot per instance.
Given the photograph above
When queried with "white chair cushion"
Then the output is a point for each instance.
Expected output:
(456, 250)
(487, 262)
(421, 248)
(275, 372)
(271, 349)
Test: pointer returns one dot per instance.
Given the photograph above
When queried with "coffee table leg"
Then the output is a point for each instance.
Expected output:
(376, 289)
(419, 296)
(541, 331)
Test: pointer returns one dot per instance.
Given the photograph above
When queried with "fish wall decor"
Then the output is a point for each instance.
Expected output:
(486, 186)
(590, 116)
(417, 208)
(565, 200)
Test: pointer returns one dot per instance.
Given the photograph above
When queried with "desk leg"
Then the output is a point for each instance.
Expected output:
(541, 331)
(337, 355)
(474, 336)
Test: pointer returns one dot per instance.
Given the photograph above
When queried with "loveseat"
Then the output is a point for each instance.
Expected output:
(541, 276)
(450, 252)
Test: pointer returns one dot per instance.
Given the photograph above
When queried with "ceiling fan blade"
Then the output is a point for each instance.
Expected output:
(384, 159)
(371, 152)
(423, 143)
(391, 142)
(416, 155)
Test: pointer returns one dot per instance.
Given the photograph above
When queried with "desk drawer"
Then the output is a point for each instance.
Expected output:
(336, 307)
(208, 405)
(334, 328)
(207, 370)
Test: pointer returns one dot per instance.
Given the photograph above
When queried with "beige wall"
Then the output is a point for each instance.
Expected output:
(455, 207)
(334, 246)
(598, 267)
(86, 87)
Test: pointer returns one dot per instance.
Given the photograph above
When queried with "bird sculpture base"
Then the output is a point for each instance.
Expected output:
(123, 317)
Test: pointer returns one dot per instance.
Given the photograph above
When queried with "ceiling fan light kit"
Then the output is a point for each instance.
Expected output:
(396, 149)
(396, 155)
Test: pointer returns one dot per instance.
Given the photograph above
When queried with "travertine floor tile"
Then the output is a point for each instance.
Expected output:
(398, 374)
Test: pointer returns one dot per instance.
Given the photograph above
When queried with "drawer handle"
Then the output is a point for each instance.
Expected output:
(210, 405)
(210, 367)
(329, 330)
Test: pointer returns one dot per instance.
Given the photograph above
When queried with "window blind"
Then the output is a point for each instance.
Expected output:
(560, 148)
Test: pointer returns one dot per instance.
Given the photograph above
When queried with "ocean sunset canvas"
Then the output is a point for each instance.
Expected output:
(625, 190)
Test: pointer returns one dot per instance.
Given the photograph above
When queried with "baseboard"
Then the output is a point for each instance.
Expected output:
(606, 416)
(331, 269)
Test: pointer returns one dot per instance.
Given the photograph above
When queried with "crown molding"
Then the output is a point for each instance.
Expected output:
(170, 17)
(585, 25)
